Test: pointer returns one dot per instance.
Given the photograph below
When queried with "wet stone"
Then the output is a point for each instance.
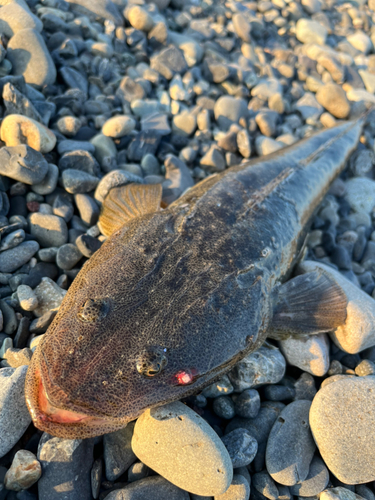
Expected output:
(290, 446)
(241, 446)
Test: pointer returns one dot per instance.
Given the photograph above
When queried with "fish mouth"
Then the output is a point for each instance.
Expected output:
(59, 421)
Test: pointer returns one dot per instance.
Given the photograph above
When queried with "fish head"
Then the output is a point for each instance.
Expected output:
(144, 323)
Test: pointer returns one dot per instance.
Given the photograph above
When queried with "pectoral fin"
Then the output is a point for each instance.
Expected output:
(307, 304)
(126, 202)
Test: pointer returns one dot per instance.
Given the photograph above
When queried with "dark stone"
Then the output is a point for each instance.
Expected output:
(242, 447)
(278, 392)
(145, 142)
(40, 325)
(247, 404)
(39, 271)
(18, 206)
(340, 256)
(22, 334)
(87, 245)
(73, 79)
(79, 160)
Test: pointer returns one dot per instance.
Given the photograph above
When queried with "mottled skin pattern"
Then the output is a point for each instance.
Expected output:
(196, 279)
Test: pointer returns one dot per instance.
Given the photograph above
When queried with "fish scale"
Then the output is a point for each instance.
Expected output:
(174, 298)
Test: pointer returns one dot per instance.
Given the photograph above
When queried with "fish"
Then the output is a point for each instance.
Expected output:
(176, 296)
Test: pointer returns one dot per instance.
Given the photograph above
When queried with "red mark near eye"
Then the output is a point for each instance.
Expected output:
(185, 377)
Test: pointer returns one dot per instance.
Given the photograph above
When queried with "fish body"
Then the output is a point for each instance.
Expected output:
(173, 299)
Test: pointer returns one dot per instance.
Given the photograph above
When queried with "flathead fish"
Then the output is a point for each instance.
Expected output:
(174, 298)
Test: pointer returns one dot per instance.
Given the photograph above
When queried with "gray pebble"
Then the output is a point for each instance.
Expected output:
(113, 179)
(316, 481)
(219, 388)
(68, 146)
(66, 466)
(238, 490)
(79, 160)
(76, 181)
(48, 230)
(290, 446)
(12, 259)
(223, 406)
(168, 62)
(96, 477)
(154, 487)
(68, 256)
(22, 163)
(177, 179)
(264, 366)
(265, 485)
(12, 240)
(118, 454)
(229, 110)
(247, 404)
(241, 445)
(87, 245)
(88, 208)
(49, 183)
(138, 471)
(14, 415)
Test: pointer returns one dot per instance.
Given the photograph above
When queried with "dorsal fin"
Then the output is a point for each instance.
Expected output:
(124, 203)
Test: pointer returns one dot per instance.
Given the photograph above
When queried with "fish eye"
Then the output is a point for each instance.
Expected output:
(93, 310)
(152, 361)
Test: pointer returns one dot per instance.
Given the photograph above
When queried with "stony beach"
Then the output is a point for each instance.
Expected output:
(98, 94)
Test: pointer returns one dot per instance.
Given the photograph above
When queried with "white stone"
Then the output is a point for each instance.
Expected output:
(310, 354)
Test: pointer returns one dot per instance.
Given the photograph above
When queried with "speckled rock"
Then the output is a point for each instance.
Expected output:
(12, 259)
(290, 446)
(49, 296)
(241, 446)
(341, 415)
(164, 440)
(311, 354)
(24, 164)
(154, 487)
(315, 482)
(24, 471)
(264, 366)
(18, 129)
(14, 415)
(358, 331)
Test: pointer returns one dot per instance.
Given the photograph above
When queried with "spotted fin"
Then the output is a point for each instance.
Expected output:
(124, 203)
(306, 305)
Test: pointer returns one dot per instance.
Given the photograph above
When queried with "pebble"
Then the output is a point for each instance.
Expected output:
(357, 333)
(118, 454)
(264, 366)
(308, 31)
(66, 466)
(229, 110)
(247, 404)
(223, 406)
(242, 27)
(30, 57)
(140, 19)
(18, 357)
(265, 145)
(18, 129)
(241, 446)
(113, 179)
(316, 481)
(177, 179)
(27, 298)
(69, 125)
(100, 9)
(12, 240)
(290, 446)
(87, 245)
(339, 493)
(49, 183)
(68, 256)
(221, 387)
(341, 414)
(310, 354)
(213, 160)
(78, 182)
(360, 41)
(14, 415)
(49, 296)
(239, 489)
(163, 440)
(119, 125)
(360, 193)
(154, 487)
(265, 485)
(333, 98)
(48, 230)
(169, 62)
(23, 164)
(24, 471)
(12, 259)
